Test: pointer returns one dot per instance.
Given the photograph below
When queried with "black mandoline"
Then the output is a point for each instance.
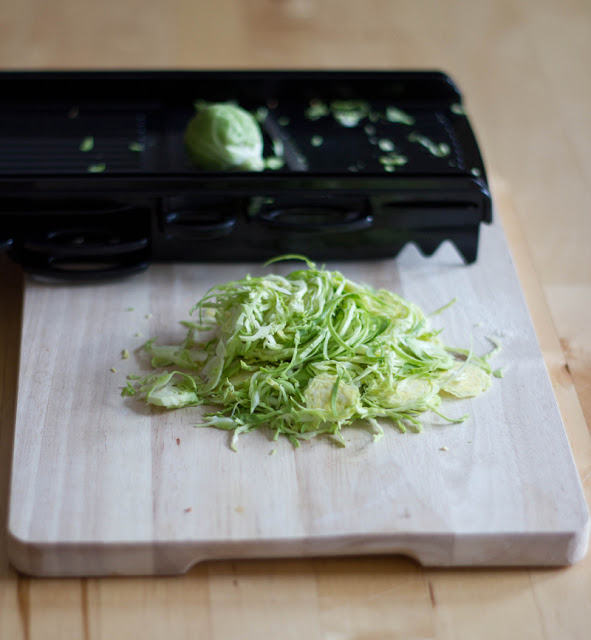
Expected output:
(95, 181)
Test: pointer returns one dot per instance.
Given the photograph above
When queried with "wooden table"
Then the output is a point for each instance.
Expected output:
(523, 67)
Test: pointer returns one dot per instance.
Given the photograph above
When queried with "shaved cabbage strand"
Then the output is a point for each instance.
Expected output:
(307, 354)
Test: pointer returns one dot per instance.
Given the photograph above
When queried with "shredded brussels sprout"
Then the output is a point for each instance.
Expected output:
(307, 354)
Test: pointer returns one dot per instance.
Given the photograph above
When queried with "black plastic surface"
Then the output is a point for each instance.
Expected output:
(92, 165)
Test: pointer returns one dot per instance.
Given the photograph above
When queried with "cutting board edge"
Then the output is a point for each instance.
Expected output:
(498, 549)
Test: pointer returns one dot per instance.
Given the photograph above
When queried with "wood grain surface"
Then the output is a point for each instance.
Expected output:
(101, 486)
(523, 68)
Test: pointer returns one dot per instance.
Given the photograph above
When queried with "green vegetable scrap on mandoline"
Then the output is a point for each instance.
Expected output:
(307, 354)
(224, 136)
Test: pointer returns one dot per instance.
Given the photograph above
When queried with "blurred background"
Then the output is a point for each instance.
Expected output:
(522, 66)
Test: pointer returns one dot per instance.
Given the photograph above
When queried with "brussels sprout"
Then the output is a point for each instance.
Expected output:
(224, 136)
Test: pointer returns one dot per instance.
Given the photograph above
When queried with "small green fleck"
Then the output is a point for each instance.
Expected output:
(124, 354)
(130, 309)
(273, 452)
(136, 147)
(261, 114)
(129, 390)
(393, 114)
(386, 145)
(138, 335)
(278, 148)
(316, 141)
(347, 119)
(498, 373)
(148, 316)
(113, 370)
(393, 160)
(458, 109)
(349, 113)
(475, 171)
(273, 163)
(97, 168)
(439, 150)
(133, 376)
(87, 144)
(316, 110)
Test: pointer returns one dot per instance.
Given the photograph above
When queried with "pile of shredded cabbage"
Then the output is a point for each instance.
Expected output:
(308, 354)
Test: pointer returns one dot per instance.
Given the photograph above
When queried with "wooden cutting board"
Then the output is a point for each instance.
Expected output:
(104, 485)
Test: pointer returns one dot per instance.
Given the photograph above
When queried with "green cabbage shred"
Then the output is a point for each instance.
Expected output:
(307, 354)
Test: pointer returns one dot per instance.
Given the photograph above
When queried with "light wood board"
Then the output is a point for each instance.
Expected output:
(104, 485)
